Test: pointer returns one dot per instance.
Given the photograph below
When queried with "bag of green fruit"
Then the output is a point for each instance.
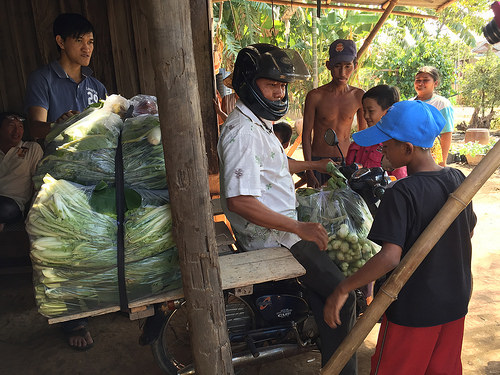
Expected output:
(346, 218)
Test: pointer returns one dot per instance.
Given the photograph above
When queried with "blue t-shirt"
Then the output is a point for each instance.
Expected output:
(51, 88)
(444, 106)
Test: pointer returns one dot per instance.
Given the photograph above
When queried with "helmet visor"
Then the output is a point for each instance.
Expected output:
(300, 69)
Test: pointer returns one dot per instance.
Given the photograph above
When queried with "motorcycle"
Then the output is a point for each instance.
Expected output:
(273, 321)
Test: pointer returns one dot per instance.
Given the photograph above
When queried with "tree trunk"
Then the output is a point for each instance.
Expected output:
(477, 121)
(315, 50)
(170, 37)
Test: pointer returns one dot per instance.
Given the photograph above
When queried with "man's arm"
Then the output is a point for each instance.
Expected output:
(384, 261)
(296, 166)
(251, 209)
(359, 113)
(308, 125)
(38, 126)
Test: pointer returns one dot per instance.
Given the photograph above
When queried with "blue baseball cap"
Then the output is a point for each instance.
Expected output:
(342, 50)
(410, 121)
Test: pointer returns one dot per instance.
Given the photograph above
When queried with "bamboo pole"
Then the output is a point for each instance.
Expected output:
(331, 6)
(429, 237)
(176, 81)
(376, 28)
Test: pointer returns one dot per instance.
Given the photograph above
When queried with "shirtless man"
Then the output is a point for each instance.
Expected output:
(332, 106)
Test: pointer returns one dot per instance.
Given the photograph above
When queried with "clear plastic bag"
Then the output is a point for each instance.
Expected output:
(347, 220)
(84, 152)
(74, 246)
(148, 228)
(143, 160)
(144, 104)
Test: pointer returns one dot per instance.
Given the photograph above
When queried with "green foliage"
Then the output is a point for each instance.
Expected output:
(402, 46)
(474, 148)
(396, 63)
(481, 83)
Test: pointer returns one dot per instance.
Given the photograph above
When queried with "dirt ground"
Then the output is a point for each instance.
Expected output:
(29, 346)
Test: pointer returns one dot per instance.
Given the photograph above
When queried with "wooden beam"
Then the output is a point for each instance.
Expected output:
(176, 81)
(376, 28)
(346, 7)
(444, 5)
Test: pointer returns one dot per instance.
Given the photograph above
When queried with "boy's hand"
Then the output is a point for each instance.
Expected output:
(314, 232)
(333, 305)
(312, 181)
(320, 165)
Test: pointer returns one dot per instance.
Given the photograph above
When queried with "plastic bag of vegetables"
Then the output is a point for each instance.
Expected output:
(152, 263)
(347, 220)
(70, 235)
(66, 231)
(143, 161)
(148, 227)
(66, 291)
(83, 152)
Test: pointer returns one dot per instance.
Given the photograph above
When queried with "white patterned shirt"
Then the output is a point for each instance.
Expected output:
(16, 169)
(253, 162)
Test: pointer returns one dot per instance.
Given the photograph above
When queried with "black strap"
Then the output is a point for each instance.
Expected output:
(120, 217)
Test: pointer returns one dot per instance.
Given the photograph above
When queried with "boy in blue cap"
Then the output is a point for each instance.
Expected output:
(332, 106)
(422, 331)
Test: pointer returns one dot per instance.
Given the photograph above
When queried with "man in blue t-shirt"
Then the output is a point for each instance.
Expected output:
(58, 91)
(64, 87)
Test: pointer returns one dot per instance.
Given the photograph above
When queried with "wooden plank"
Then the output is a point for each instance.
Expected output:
(237, 270)
(164, 297)
(141, 312)
(85, 314)
(259, 266)
(241, 269)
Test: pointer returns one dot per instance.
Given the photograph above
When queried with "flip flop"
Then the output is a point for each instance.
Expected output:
(81, 332)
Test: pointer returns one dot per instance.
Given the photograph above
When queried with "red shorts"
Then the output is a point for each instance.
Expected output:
(418, 350)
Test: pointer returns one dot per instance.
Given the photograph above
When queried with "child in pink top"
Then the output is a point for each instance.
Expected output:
(376, 102)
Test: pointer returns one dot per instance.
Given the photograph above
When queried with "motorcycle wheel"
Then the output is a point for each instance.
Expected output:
(172, 349)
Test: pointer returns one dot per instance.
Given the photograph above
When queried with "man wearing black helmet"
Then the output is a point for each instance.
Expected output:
(257, 189)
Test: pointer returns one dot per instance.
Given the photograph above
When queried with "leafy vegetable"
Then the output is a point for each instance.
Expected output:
(347, 220)
(73, 237)
(143, 160)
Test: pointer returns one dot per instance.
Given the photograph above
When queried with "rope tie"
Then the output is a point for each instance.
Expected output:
(458, 199)
(389, 295)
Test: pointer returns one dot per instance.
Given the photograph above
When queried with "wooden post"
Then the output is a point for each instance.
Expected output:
(457, 201)
(201, 25)
(171, 43)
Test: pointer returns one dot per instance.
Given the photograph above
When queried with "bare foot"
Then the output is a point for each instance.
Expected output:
(80, 338)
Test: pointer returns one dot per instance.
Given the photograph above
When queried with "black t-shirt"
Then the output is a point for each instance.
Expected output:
(439, 290)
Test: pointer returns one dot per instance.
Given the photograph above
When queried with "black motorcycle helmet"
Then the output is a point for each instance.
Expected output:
(262, 61)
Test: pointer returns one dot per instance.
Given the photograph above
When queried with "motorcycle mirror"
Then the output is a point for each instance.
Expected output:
(332, 140)
(331, 137)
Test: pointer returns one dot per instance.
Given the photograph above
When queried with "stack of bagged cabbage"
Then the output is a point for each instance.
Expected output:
(72, 224)
(346, 218)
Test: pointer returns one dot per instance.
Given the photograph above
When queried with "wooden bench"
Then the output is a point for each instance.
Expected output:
(238, 270)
